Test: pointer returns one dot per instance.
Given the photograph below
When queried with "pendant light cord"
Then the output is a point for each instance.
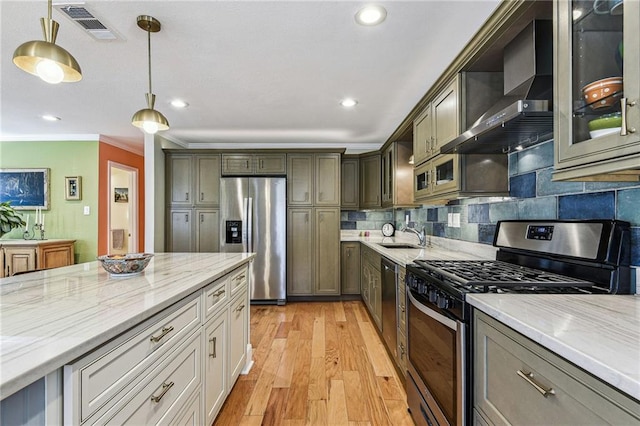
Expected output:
(149, 50)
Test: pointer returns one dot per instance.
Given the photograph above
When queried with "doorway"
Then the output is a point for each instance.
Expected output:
(122, 234)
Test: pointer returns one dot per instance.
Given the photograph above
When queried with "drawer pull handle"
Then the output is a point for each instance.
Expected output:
(239, 308)
(165, 331)
(165, 389)
(218, 293)
(213, 349)
(528, 376)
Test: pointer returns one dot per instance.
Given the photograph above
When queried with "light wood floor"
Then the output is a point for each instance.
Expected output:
(317, 363)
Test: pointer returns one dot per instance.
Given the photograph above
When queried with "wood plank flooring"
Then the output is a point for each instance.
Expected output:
(316, 363)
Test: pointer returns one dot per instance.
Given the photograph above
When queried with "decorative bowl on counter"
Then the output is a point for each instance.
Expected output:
(603, 93)
(124, 265)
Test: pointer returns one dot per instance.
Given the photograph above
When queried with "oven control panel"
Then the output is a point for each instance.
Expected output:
(540, 232)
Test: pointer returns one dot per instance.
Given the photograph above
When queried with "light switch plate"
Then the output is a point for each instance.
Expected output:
(456, 220)
(87, 210)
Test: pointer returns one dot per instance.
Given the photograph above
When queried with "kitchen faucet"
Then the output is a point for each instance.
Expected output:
(422, 239)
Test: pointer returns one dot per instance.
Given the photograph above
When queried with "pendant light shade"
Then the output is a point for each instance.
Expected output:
(148, 119)
(46, 59)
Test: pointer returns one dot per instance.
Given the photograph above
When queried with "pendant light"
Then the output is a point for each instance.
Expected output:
(45, 58)
(148, 119)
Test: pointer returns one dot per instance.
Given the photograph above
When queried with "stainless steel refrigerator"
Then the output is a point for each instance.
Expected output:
(253, 218)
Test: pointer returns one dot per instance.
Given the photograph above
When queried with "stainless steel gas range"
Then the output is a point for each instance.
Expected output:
(580, 257)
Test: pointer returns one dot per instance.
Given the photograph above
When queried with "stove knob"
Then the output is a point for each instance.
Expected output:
(443, 302)
(433, 295)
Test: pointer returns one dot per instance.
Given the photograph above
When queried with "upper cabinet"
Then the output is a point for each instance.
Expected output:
(438, 123)
(349, 181)
(597, 96)
(254, 164)
(370, 183)
(313, 179)
(397, 172)
(193, 180)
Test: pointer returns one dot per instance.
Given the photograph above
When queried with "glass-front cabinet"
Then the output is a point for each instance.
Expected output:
(597, 90)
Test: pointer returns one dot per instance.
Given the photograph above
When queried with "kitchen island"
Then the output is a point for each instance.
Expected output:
(50, 318)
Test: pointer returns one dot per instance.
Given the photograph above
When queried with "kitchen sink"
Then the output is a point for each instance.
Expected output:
(399, 246)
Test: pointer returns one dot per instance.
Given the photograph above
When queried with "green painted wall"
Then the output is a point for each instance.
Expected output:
(64, 219)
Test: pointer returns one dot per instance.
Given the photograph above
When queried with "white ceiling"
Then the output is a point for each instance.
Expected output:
(253, 73)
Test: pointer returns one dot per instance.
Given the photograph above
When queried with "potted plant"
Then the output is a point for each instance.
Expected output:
(9, 219)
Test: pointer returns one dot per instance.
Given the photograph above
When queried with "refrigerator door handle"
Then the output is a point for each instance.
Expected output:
(249, 216)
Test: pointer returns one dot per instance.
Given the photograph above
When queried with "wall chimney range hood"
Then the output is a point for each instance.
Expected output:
(523, 117)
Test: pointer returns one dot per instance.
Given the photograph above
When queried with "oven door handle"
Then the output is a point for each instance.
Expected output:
(433, 314)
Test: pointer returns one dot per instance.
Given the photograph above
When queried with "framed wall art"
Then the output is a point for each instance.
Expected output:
(73, 188)
(121, 195)
(25, 189)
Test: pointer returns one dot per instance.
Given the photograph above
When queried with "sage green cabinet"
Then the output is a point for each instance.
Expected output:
(300, 251)
(313, 179)
(254, 164)
(517, 381)
(193, 179)
(327, 179)
(423, 136)
(438, 123)
(450, 176)
(193, 230)
(350, 267)
(193, 195)
(313, 251)
(327, 251)
(349, 181)
(370, 183)
(397, 172)
(300, 179)
(371, 283)
(595, 45)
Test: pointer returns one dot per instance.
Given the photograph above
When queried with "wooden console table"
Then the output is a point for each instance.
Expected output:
(31, 255)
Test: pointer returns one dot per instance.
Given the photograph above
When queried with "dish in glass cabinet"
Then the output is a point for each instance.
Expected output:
(125, 265)
(603, 93)
(603, 132)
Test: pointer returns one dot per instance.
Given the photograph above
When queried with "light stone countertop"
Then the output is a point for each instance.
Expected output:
(599, 333)
(49, 318)
(440, 248)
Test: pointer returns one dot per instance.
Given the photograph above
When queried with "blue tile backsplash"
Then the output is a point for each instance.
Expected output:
(533, 196)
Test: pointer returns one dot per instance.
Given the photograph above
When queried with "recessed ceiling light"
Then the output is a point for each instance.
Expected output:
(179, 103)
(348, 102)
(371, 15)
(49, 117)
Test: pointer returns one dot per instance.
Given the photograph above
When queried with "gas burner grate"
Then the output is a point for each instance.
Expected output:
(498, 273)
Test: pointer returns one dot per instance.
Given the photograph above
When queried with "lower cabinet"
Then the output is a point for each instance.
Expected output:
(350, 267)
(193, 230)
(519, 382)
(215, 364)
(371, 283)
(30, 255)
(313, 257)
(174, 368)
(402, 322)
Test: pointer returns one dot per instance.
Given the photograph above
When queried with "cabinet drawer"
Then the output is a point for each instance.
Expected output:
(191, 415)
(238, 280)
(160, 397)
(99, 377)
(402, 352)
(513, 374)
(216, 296)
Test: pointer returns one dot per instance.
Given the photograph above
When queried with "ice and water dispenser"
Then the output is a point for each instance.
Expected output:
(233, 232)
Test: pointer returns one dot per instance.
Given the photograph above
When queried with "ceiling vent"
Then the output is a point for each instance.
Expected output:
(87, 20)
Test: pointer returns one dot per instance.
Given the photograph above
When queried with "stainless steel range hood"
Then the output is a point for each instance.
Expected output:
(524, 116)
